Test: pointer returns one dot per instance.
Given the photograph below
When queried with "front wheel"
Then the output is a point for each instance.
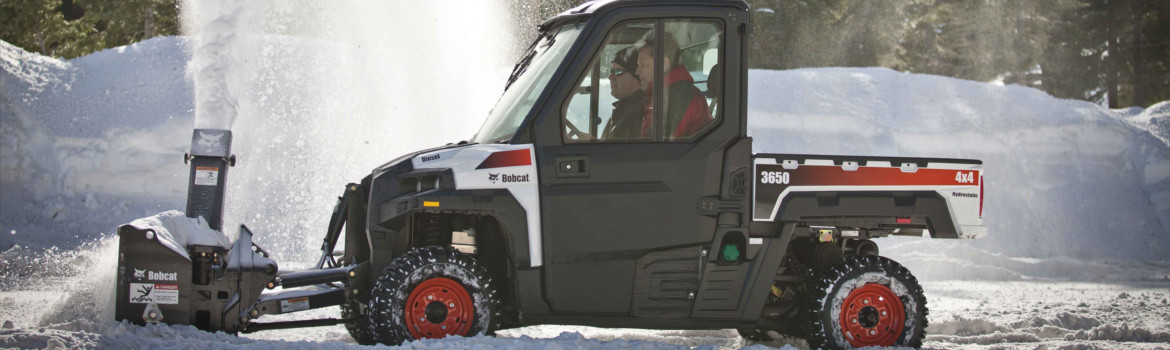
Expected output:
(432, 292)
(358, 325)
(866, 301)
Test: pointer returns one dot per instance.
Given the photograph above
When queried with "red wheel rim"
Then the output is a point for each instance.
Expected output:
(872, 315)
(439, 307)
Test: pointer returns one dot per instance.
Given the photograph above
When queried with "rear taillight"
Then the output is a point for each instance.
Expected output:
(980, 196)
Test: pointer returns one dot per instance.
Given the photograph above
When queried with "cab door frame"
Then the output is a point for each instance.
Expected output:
(582, 258)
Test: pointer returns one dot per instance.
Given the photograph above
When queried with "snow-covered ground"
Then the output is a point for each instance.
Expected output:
(1077, 201)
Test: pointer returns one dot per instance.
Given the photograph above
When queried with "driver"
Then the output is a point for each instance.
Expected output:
(626, 120)
(686, 108)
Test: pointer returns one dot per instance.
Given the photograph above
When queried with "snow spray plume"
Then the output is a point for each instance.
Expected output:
(341, 87)
(77, 285)
(226, 34)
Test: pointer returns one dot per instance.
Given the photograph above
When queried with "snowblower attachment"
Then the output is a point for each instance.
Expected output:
(203, 285)
(162, 279)
(178, 268)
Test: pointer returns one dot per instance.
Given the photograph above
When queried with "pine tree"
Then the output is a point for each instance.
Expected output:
(39, 26)
(1068, 70)
(1111, 52)
(129, 21)
(796, 34)
(1150, 52)
(870, 31)
(920, 49)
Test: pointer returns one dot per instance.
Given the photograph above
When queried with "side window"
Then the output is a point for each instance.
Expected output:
(692, 76)
(608, 104)
(614, 101)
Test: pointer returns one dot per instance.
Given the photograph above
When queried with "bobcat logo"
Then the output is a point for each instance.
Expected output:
(493, 177)
(139, 274)
(208, 140)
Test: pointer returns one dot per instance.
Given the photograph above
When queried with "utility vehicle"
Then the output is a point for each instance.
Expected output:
(542, 219)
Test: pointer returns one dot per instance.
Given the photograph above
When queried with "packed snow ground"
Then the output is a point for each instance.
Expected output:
(1078, 196)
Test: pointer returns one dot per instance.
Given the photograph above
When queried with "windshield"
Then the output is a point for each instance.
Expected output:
(528, 80)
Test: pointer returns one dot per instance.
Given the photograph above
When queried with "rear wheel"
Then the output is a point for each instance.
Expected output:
(867, 301)
(432, 292)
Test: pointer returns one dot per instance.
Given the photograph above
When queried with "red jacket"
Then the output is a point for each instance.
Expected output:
(679, 85)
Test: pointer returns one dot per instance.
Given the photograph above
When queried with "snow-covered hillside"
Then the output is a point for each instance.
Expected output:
(1075, 192)
(89, 143)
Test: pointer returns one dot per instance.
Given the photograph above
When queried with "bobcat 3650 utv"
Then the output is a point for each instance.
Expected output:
(543, 218)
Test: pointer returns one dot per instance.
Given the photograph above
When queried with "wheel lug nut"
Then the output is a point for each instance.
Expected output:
(444, 326)
(420, 319)
(872, 332)
(855, 321)
(865, 301)
(883, 313)
(452, 305)
(430, 297)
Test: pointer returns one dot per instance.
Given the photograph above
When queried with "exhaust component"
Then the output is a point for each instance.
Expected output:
(860, 247)
(209, 158)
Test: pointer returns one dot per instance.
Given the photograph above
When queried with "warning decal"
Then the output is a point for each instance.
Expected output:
(296, 304)
(206, 176)
(154, 293)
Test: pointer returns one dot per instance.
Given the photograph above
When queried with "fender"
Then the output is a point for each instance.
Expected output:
(497, 203)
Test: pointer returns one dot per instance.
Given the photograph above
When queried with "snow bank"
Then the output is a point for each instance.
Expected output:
(1028, 314)
(960, 260)
(90, 143)
(1155, 119)
(135, 86)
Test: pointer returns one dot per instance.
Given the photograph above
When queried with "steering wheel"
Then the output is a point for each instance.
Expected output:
(576, 134)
